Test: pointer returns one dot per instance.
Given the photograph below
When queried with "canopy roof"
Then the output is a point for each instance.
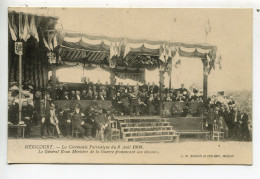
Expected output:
(83, 48)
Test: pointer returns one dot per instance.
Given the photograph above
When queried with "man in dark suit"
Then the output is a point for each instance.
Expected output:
(235, 124)
(63, 124)
(78, 121)
(27, 112)
(243, 128)
(13, 111)
(59, 91)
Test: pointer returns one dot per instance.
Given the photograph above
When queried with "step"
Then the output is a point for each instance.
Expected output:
(161, 138)
(143, 120)
(147, 133)
(144, 124)
(149, 128)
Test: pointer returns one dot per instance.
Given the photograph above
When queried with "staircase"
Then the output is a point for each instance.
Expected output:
(146, 129)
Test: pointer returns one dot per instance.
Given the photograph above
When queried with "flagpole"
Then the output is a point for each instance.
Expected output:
(20, 88)
(20, 80)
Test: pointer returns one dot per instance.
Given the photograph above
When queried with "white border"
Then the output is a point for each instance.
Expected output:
(126, 171)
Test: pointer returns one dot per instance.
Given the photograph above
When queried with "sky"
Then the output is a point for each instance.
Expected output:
(231, 32)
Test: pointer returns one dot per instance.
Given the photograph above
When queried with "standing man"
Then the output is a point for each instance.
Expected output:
(134, 101)
(244, 131)
(27, 112)
(235, 124)
(45, 106)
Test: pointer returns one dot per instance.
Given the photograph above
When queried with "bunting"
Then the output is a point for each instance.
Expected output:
(45, 43)
(21, 28)
(50, 39)
(55, 43)
(12, 28)
(33, 29)
(26, 30)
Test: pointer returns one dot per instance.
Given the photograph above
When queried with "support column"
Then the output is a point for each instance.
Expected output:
(53, 80)
(170, 79)
(161, 83)
(112, 82)
(205, 82)
(205, 87)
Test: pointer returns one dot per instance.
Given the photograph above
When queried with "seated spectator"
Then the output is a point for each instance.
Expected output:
(64, 124)
(100, 96)
(73, 95)
(95, 96)
(65, 96)
(90, 94)
(78, 95)
(84, 95)
(78, 121)
(168, 97)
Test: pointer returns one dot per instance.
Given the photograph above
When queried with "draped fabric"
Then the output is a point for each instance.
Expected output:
(133, 76)
(35, 64)
(119, 47)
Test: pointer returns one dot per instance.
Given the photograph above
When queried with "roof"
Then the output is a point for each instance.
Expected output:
(83, 48)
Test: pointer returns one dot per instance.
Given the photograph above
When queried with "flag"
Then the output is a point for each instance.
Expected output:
(20, 23)
(162, 53)
(26, 29)
(127, 50)
(112, 50)
(176, 57)
(50, 38)
(12, 28)
(55, 43)
(45, 43)
(33, 29)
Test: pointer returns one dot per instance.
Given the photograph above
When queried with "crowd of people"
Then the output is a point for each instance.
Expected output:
(139, 99)
(142, 99)
(223, 112)
(90, 123)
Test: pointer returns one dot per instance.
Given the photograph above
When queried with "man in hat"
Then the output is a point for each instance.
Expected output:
(59, 91)
(27, 112)
(211, 118)
(13, 111)
(235, 123)
(78, 120)
(244, 133)
(63, 118)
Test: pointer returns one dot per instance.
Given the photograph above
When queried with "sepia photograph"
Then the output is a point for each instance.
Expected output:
(130, 85)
